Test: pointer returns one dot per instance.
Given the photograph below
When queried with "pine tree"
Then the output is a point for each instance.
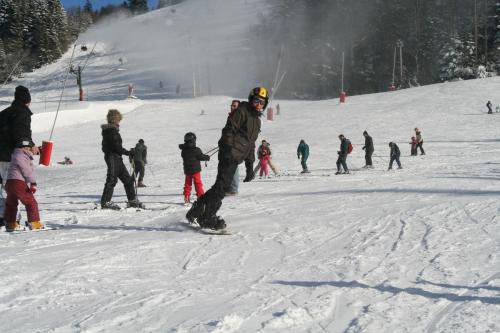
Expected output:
(138, 6)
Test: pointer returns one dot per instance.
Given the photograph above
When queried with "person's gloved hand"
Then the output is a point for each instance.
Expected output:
(32, 188)
(208, 158)
(131, 153)
(364, 147)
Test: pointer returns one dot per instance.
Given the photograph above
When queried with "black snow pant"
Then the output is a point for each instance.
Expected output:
(212, 199)
(394, 158)
(139, 169)
(303, 162)
(413, 150)
(420, 145)
(117, 170)
(342, 160)
(368, 157)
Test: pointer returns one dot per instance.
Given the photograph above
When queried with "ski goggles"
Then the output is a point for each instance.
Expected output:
(258, 101)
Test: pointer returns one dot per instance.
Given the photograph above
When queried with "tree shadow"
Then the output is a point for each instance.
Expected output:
(393, 290)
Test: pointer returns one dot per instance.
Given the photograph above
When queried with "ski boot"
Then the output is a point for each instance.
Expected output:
(196, 210)
(35, 225)
(110, 205)
(14, 226)
(338, 172)
(135, 203)
(346, 172)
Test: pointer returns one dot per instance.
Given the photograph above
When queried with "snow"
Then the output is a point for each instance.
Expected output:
(411, 250)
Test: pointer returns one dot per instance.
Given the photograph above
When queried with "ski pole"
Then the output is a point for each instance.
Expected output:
(215, 152)
(135, 180)
(211, 150)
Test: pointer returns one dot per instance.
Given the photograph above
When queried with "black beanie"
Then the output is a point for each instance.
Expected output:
(22, 95)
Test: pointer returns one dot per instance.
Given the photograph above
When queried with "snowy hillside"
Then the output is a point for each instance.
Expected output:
(411, 250)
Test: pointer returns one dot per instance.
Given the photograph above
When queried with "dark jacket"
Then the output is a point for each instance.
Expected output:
(395, 150)
(303, 151)
(344, 146)
(368, 144)
(239, 135)
(141, 153)
(16, 126)
(112, 140)
(191, 156)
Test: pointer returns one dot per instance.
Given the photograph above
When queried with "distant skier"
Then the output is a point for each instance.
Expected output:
(191, 157)
(490, 107)
(20, 186)
(303, 155)
(66, 161)
(345, 145)
(395, 154)
(140, 159)
(264, 155)
(15, 125)
(113, 151)
(414, 145)
(420, 141)
(237, 144)
(369, 149)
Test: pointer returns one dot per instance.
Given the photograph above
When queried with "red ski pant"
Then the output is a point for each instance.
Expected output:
(17, 190)
(198, 185)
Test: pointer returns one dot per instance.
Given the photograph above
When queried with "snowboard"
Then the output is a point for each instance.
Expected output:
(26, 229)
(196, 227)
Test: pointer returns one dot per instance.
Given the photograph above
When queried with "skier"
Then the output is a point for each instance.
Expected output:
(489, 106)
(67, 161)
(342, 159)
(420, 141)
(191, 157)
(303, 155)
(237, 144)
(264, 156)
(20, 186)
(139, 158)
(267, 146)
(369, 149)
(15, 124)
(414, 145)
(235, 183)
(113, 151)
(395, 154)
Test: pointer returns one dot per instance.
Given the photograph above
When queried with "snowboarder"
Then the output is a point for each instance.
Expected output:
(344, 150)
(237, 144)
(139, 159)
(235, 183)
(113, 151)
(66, 161)
(264, 156)
(15, 125)
(420, 141)
(490, 107)
(369, 149)
(303, 155)
(395, 154)
(191, 157)
(20, 186)
(414, 145)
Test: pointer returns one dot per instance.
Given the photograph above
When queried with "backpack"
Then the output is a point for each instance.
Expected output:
(349, 147)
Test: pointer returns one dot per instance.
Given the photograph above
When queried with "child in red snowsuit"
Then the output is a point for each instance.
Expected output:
(191, 156)
(413, 144)
(264, 158)
(20, 186)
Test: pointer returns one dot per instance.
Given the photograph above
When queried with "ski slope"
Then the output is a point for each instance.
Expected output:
(411, 250)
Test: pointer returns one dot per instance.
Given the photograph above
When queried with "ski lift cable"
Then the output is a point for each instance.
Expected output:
(88, 57)
(62, 92)
(12, 72)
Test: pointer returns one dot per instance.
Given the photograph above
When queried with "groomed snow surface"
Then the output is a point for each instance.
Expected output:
(411, 250)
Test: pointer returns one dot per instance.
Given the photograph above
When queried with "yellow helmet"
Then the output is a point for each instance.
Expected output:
(259, 92)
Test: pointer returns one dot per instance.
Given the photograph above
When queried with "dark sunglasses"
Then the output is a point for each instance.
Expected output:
(258, 101)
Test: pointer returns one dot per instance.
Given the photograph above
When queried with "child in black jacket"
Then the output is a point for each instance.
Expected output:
(191, 156)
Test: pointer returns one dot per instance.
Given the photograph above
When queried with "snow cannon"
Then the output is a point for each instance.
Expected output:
(46, 152)
(270, 113)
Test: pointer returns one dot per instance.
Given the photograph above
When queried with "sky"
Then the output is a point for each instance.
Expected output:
(99, 3)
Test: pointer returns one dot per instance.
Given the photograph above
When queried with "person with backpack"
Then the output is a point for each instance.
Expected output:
(15, 126)
(369, 149)
(237, 144)
(113, 151)
(395, 154)
(21, 186)
(139, 159)
(420, 141)
(191, 157)
(303, 155)
(345, 149)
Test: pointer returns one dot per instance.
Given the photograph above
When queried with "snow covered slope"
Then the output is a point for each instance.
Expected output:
(412, 250)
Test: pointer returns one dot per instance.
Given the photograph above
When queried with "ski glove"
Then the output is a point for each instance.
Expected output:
(250, 176)
(32, 188)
